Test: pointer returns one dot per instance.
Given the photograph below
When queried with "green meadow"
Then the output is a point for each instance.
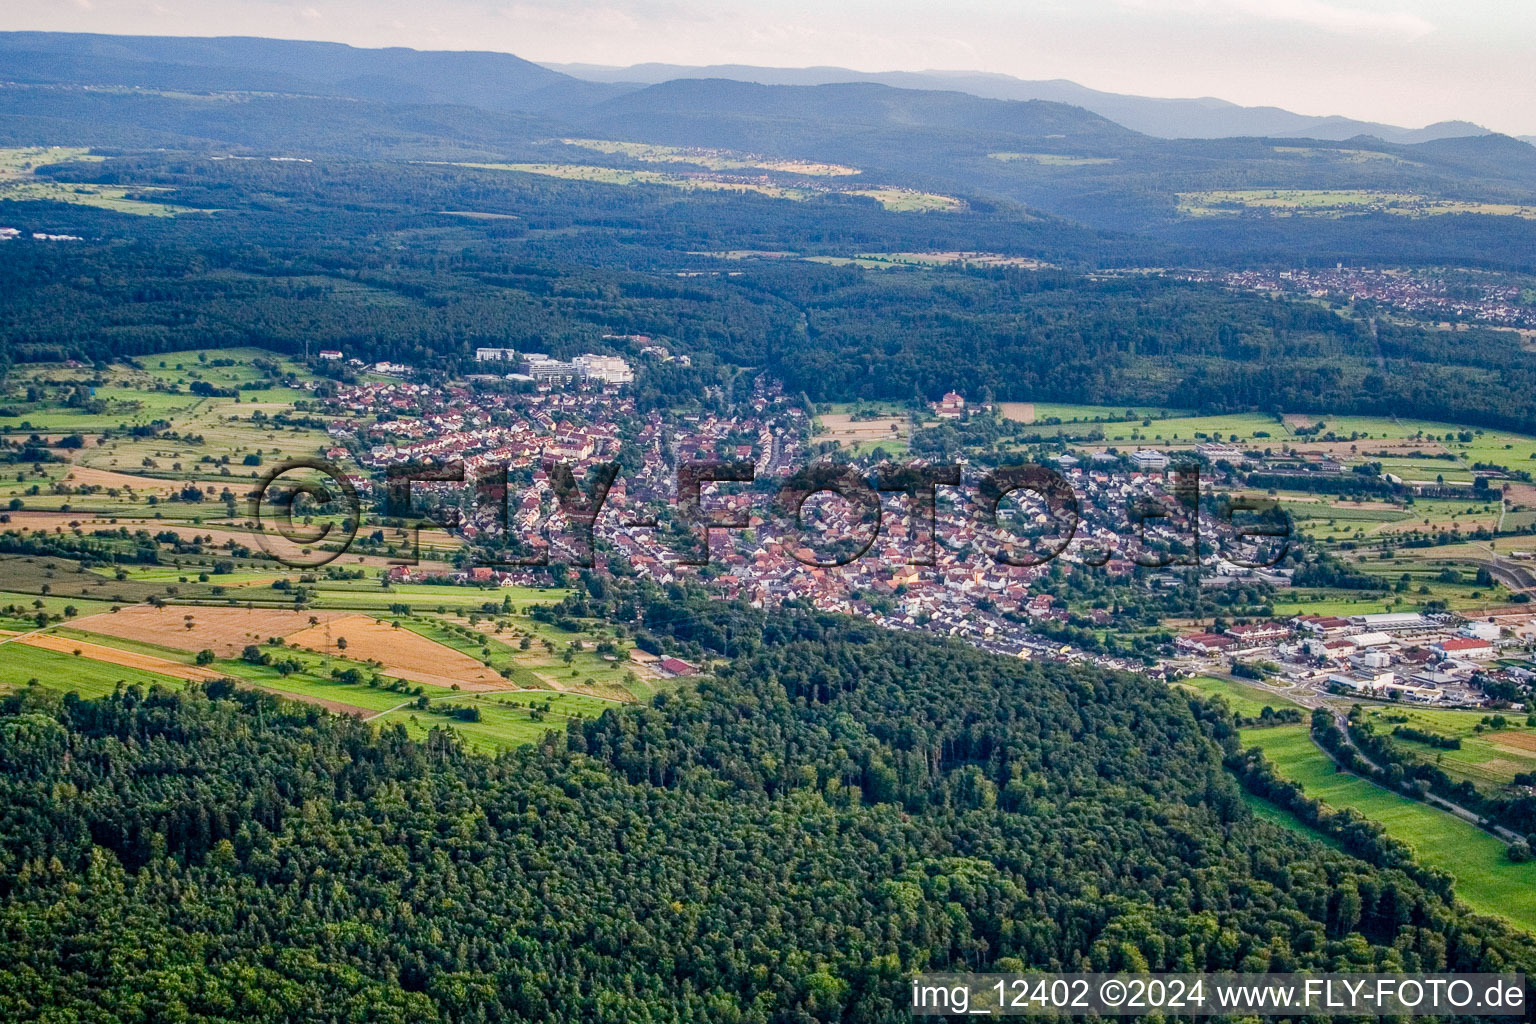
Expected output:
(506, 719)
(1489, 758)
(67, 673)
(1242, 698)
(1486, 880)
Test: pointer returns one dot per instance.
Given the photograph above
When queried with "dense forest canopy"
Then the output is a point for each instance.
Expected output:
(792, 834)
(834, 812)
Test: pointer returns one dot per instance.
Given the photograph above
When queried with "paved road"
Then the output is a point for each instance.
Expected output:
(1518, 576)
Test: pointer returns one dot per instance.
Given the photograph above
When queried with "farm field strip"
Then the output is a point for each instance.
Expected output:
(892, 198)
(64, 673)
(1336, 202)
(713, 159)
(116, 656)
(225, 630)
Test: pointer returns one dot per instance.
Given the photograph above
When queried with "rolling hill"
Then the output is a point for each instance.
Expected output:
(1202, 118)
(260, 97)
(718, 112)
(490, 81)
(501, 82)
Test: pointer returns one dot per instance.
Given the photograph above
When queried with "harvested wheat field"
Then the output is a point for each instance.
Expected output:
(1021, 412)
(128, 659)
(1517, 740)
(28, 519)
(844, 429)
(225, 631)
(85, 476)
(1520, 494)
(402, 653)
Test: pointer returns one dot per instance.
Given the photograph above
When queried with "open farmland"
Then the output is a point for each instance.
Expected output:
(624, 176)
(86, 476)
(1335, 203)
(921, 260)
(369, 595)
(507, 719)
(1070, 413)
(1019, 412)
(713, 159)
(400, 651)
(219, 537)
(224, 630)
(850, 432)
(558, 658)
(19, 183)
(123, 405)
(1356, 520)
(899, 200)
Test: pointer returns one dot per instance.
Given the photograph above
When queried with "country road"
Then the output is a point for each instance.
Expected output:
(1518, 576)
(1438, 802)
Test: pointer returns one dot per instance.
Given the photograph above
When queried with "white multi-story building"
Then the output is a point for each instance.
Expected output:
(589, 369)
(607, 369)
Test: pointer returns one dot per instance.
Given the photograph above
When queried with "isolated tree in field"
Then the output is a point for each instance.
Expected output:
(341, 643)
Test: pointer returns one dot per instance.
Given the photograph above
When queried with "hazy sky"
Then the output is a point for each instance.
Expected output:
(1408, 62)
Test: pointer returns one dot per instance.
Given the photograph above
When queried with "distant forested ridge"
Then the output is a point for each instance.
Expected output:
(261, 97)
(835, 812)
(362, 257)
